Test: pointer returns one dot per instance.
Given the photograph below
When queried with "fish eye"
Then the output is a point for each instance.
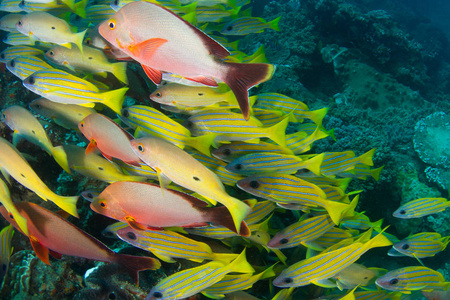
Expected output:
(254, 184)
(51, 53)
(38, 106)
(284, 241)
(189, 124)
(157, 295)
(402, 212)
(226, 152)
(125, 113)
(116, 2)
(405, 247)
(2, 56)
(288, 280)
(53, 27)
(238, 166)
(12, 63)
(200, 94)
(158, 94)
(11, 216)
(88, 41)
(19, 23)
(102, 203)
(393, 281)
(229, 28)
(31, 80)
(140, 148)
(131, 235)
(82, 124)
(112, 24)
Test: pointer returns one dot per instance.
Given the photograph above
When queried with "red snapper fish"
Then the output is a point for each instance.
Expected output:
(51, 234)
(163, 42)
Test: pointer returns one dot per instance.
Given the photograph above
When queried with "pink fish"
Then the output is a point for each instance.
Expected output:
(146, 206)
(51, 234)
(163, 42)
(112, 141)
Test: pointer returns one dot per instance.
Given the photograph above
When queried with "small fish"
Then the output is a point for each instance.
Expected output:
(6, 201)
(353, 276)
(65, 115)
(56, 6)
(6, 249)
(8, 22)
(62, 87)
(274, 163)
(42, 26)
(192, 281)
(157, 48)
(13, 163)
(215, 13)
(51, 234)
(24, 66)
(331, 237)
(421, 207)
(288, 189)
(11, 6)
(300, 143)
(233, 150)
(93, 60)
(437, 295)
(361, 222)
(423, 244)
(167, 245)
(178, 166)
(26, 126)
(378, 295)
(260, 210)
(95, 166)
(231, 126)
(326, 265)
(233, 283)
(108, 137)
(410, 279)
(301, 232)
(155, 123)
(249, 25)
(140, 205)
(17, 39)
(15, 51)
(361, 171)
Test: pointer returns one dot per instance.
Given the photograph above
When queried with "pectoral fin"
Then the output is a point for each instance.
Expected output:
(147, 48)
(91, 147)
(40, 250)
(153, 74)
(135, 225)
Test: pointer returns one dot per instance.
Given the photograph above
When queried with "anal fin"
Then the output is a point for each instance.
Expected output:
(40, 250)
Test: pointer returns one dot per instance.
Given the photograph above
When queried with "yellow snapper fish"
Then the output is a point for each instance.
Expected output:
(421, 207)
(13, 163)
(176, 94)
(152, 122)
(167, 245)
(410, 279)
(325, 265)
(378, 295)
(233, 150)
(11, 6)
(95, 166)
(6, 249)
(56, 6)
(24, 66)
(192, 281)
(45, 27)
(26, 126)
(234, 283)
(65, 115)
(15, 51)
(5, 200)
(93, 60)
(215, 13)
(62, 87)
(422, 244)
(231, 126)
(8, 22)
(354, 275)
(248, 25)
(171, 162)
(17, 39)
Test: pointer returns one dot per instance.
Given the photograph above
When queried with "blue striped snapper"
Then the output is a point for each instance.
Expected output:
(238, 56)
(341, 183)
(6, 201)
(248, 25)
(192, 281)
(334, 193)
(274, 163)
(15, 51)
(65, 115)
(410, 279)
(331, 237)
(260, 210)
(218, 167)
(284, 294)
(378, 295)
(288, 189)
(275, 101)
(231, 126)
(26, 126)
(167, 245)
(8, 22)
(361, 222)
(233, 283)
(215, 13)
(55, 6)
(233, 150)
(300, 142)
(11, 6)
(171, 5)
(6, 249)
(24, 66)
(423, 244)
(326, 265)
(301, 232)
(98, 13)
(421, 207)
(18, 39)
(362, 171)
(271, 117)
(153, 122)
(59, 86)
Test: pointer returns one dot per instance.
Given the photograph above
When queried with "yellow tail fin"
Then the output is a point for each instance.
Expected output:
(277, 132)
(114, 99)
(202, 143)
(68, 204)
(240, 264)
(238, 210)
(79, 38)
(120, 71)
(60, 156)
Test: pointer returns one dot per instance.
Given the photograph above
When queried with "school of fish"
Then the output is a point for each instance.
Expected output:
(200, 163)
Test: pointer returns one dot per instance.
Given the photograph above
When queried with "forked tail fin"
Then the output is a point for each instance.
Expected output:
(134, 264)
(241, 77)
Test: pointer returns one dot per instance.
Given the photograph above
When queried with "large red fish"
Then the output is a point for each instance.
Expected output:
(145, 205)
(51, 234)
(163, 42)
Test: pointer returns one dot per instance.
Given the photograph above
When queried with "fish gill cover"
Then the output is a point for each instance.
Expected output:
(248, 145)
